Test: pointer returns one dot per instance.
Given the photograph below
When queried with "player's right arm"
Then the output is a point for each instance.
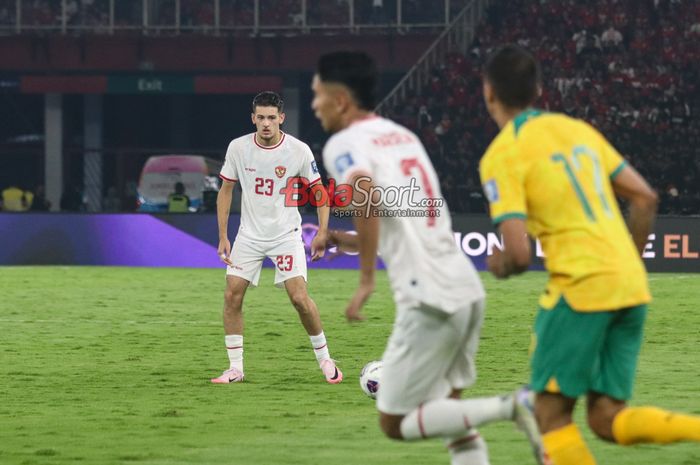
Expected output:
(367, 227)
(503, 185)
(229, 176)
(223, 207)
(348, 164)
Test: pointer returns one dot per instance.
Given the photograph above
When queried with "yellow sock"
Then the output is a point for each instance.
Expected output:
(565, 446)
(650, 424)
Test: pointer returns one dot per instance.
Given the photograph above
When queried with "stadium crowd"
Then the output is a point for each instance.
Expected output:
(628, 67)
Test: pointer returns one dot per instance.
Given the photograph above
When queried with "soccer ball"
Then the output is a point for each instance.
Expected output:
(369, 378)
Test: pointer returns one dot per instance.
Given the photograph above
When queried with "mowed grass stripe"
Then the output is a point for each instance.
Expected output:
(111, 366)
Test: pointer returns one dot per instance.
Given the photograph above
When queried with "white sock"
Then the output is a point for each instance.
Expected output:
(452, 418)
(234, 347)
(320, 347)
(469, 449)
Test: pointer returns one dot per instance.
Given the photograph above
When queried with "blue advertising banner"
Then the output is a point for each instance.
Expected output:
(190, 240)
(177, 240)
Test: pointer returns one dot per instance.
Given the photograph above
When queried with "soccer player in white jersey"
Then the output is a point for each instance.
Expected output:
(263, 162)
(439, 298)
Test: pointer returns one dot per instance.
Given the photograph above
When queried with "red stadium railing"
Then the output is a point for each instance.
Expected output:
(225, 16)
(455, 38)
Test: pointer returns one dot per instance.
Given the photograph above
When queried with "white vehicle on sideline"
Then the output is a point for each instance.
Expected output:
(161, 172)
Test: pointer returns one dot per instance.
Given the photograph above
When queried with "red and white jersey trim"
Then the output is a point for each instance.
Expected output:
(227, 179)
(255, 139)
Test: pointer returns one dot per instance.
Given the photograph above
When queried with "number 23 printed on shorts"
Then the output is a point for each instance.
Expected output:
(285, 262)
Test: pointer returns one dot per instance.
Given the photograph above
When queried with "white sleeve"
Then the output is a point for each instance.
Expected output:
(343, 159)
(229, 171)
(309, 169)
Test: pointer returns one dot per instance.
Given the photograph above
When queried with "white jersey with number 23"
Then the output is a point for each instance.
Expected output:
(263, 173)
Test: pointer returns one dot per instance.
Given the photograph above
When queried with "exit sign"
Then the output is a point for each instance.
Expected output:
(150, 84)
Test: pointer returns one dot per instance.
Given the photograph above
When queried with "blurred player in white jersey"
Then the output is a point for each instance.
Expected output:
(263, 162)
(439, 298)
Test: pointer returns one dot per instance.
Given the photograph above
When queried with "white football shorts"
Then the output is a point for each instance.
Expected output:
(429, 353)
(287, 255)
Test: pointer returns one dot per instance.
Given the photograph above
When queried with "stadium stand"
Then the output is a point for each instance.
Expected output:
(235, 16)
(629, 69)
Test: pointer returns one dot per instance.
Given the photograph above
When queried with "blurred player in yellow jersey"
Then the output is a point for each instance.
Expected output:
(556, 178)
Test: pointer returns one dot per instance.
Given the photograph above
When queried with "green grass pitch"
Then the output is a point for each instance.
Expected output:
(112, 366)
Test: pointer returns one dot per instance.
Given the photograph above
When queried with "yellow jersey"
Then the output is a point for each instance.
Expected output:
(555, 172)
(178, 203)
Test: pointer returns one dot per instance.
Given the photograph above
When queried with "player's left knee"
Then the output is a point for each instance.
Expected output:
(300, 301)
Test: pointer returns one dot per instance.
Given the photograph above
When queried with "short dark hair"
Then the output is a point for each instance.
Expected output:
(268, 99)
(514, 75)
(355, 70)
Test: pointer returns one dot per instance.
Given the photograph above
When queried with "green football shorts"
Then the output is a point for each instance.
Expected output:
(578, 352)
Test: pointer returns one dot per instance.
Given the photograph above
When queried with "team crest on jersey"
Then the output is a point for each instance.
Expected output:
(280, 170)
(343, 162)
